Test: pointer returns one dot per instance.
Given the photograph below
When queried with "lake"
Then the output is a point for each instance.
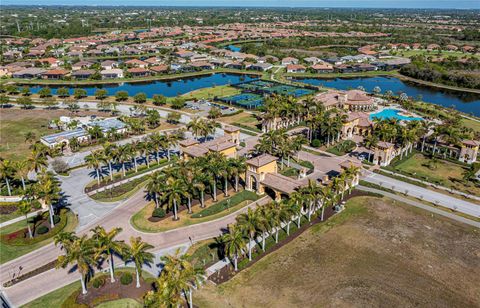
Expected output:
(169, 88)
(463, 101)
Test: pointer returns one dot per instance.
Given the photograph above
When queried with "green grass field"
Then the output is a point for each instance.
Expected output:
(475, 125)
(445, 173)
(210, 93)
(10, 252)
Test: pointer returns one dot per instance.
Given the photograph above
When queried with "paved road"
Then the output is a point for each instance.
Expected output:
(422, 206)
(46, 282)
(425, 194)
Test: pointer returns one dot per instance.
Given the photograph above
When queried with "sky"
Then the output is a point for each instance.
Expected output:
(439, 4)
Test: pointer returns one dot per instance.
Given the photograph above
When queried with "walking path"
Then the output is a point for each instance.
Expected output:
(20, 218)
(450, 190)
(422, 206)
(424, 194)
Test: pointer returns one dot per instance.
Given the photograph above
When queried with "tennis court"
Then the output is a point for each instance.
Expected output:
(245, 100)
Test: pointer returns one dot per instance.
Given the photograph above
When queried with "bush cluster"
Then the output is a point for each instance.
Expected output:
(126, 279)
(158, 213)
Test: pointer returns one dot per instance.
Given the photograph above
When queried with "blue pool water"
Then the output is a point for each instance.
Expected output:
(169, 88)
(386, 114)
(463, 101)
(233, 48)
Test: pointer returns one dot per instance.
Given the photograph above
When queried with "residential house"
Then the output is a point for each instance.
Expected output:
(111, 73)
(138, 72)
(289, 61)
(82, 74)
(55, 74)
(295, 68)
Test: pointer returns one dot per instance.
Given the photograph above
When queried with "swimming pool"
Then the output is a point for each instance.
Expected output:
(392, 113)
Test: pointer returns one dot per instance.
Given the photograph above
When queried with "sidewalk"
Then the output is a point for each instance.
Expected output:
(20, 218)
(422, 206)
(450, 190)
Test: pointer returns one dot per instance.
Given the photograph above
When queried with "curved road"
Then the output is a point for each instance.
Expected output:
(48, 281)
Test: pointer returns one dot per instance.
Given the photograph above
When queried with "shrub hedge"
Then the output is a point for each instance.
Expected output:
(158, 212)
(126, 278)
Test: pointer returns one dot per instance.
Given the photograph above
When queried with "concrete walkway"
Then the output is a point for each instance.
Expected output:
(422, 206)
(424, 194)
(20, 218)
(450, 190)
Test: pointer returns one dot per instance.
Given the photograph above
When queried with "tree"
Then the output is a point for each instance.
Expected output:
(140, 98)
(214, 163)
(30, 137)
(173, 117)
(94, 161)
(26, 91)
(47, 189)
(196, 126)
(108, 156)
(106, 246)
(22, 169)
(138, 254)
(25, 102)
(7, 169)
(370, 142)
(95, 132)
(175, 191)
(121, 96)
(80, 252)
(248, 223)
(178, 103)
(101, 94)
(4, 100)
(214, 113)
(79, 93)
(24, 208)
(45, 92)
(234, 243)
(63, 92)
(159, 100)
(153, 118)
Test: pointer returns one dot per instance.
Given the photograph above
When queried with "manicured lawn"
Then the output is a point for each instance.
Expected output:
(244, 119)
(10, 252)
(121, 303)
(395, 254)
(55, 298)
(140, 219)
(444, 173)
(475, 125)
(120, 192)
(210, 93)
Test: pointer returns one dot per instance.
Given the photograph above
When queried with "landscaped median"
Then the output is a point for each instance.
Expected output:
(143, 220)
(120, 192)
(118, 177)
(15, 240)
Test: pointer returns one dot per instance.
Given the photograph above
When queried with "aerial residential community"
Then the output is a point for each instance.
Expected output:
(215, 156)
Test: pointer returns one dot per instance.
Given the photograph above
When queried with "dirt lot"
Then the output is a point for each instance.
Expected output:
(375, 254)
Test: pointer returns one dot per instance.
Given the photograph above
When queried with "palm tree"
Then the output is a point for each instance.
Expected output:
(144, 150)
(248, 223)
(47, 189)
(196, 125)
(7, 169)
(234, 243)
(80, 252)
(137, 252)
(238, 167)
(175, 190)
(106, 245)
(108, 156)
(171, 140)
(94, 161)
(24, 208)
(214, 164)
(65, 239)
(122, 154)
(370, 142)
(155, 185)
(38, 158)
(22, 169)
(157, 143)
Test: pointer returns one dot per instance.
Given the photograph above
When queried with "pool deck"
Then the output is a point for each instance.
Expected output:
(399, 113)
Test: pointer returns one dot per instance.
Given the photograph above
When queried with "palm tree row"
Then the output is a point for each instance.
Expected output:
(190, 179)
(202, 127)
(112, 154)
(269, 220)
(178, 277)
(19, 170)
(280, 144)
(86, 252)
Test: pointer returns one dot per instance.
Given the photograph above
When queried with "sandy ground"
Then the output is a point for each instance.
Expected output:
(383, 254)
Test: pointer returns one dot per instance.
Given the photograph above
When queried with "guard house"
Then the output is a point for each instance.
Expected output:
(469, 151)
(384, 153)
(262, 177)
(233, 133)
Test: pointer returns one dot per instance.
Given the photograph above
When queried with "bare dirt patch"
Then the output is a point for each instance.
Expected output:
(383, 254)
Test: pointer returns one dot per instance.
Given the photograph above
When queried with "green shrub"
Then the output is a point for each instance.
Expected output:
(158, 213)
(316, 143)
(56, 219)
(71, 301)
(126, 279)
(98, 282)
(42, 229)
